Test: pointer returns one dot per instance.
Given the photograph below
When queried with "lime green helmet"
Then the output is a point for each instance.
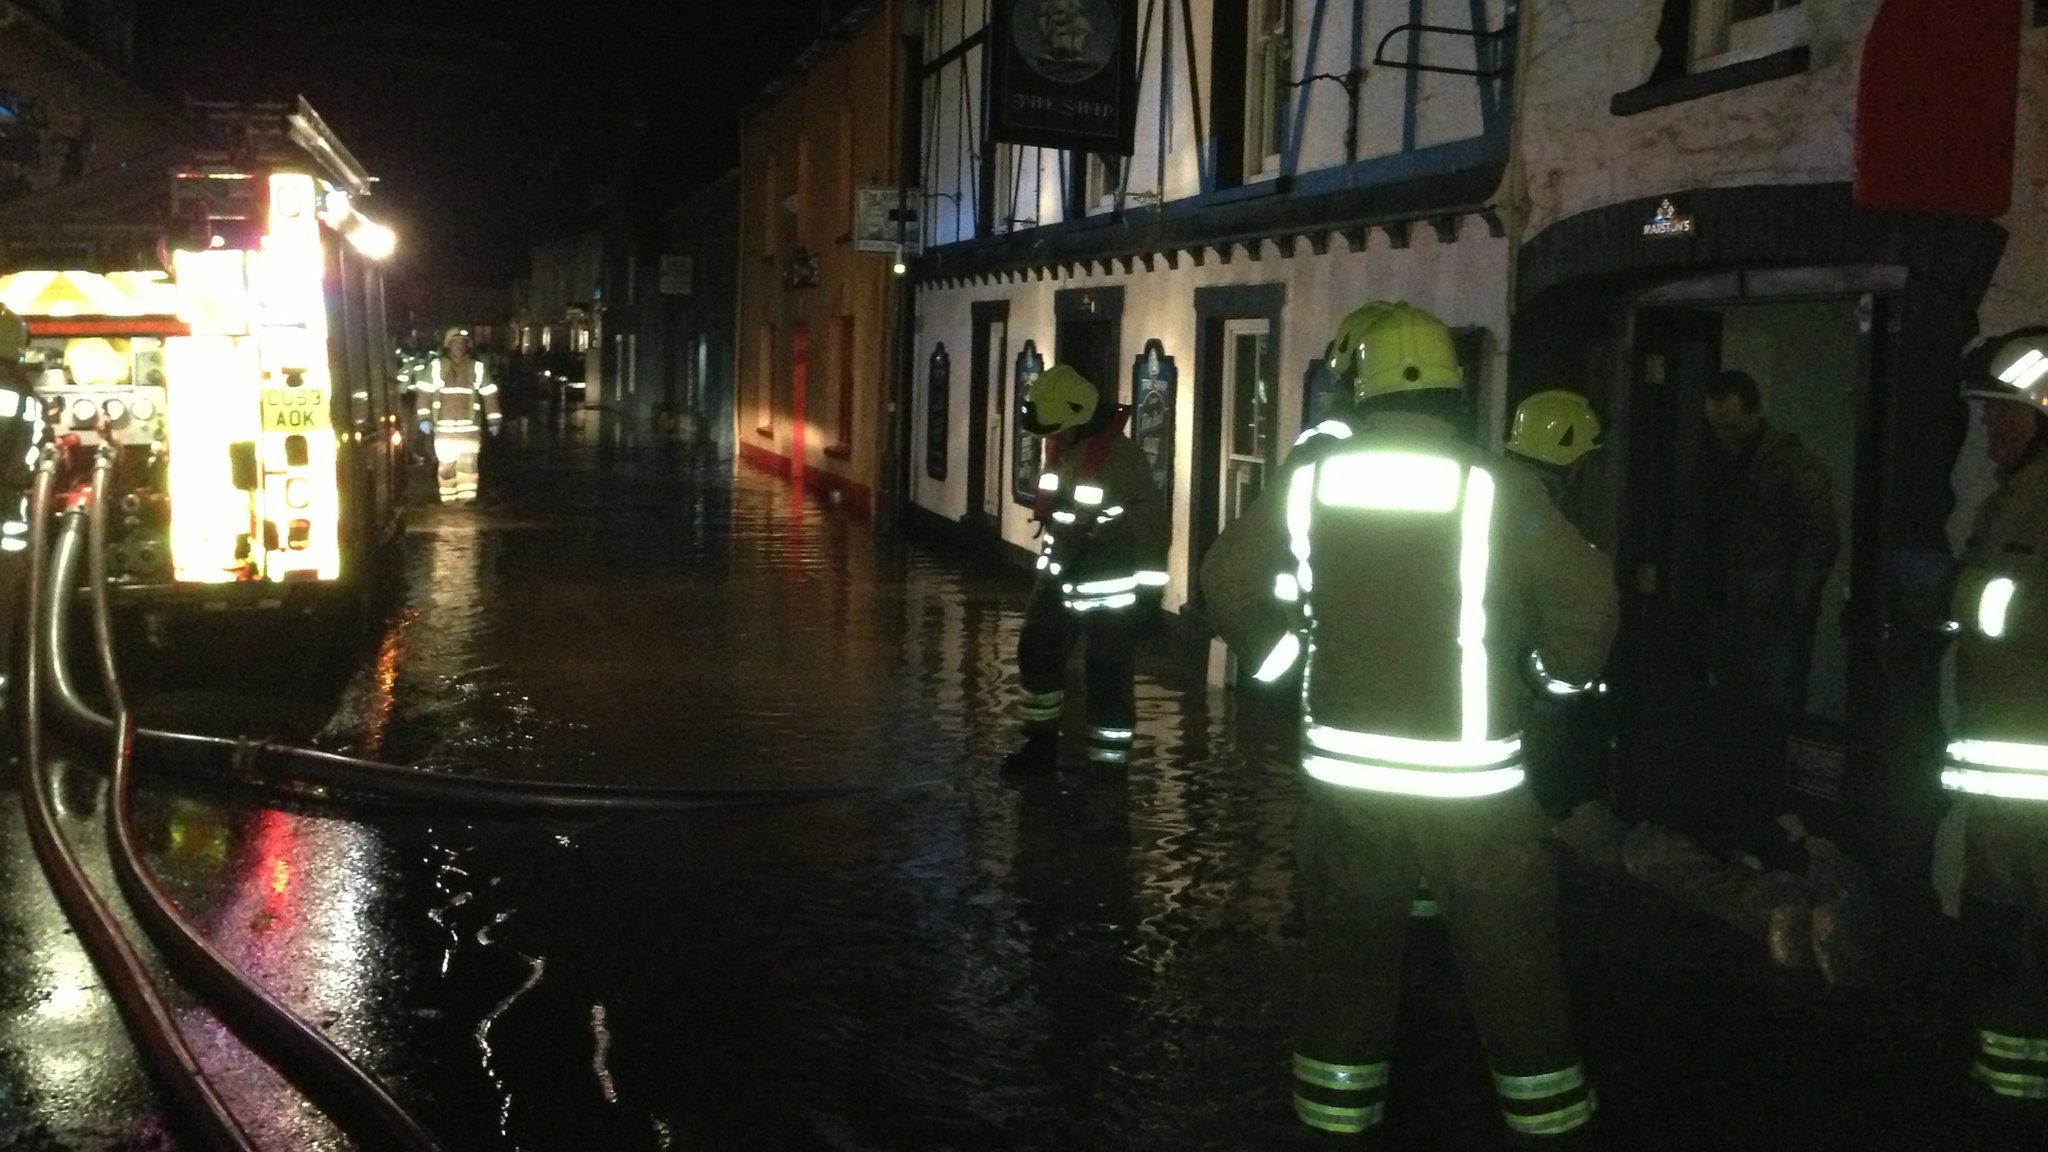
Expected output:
(1060, 399)
(2017, 371)
(13, 337)
(1555, 427)
(1387, 347)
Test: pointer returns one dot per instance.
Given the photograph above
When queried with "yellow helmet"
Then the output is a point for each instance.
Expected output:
(452, 335)
(1555, 427)
(1387, 347)
(1059, 399)
(2017, 370)
(13, 337)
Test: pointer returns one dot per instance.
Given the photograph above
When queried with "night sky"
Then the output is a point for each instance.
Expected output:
(489, 124)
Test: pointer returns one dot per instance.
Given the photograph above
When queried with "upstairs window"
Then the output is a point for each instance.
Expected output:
(1269, 73)
(1728, 31)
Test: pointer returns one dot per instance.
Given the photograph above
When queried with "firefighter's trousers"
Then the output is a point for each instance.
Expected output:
(456, 455)
(1362, 854)
(2006, 919)
(1111, 636)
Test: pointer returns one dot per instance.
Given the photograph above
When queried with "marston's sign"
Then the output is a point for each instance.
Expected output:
(1064, 74)
(1668, 221)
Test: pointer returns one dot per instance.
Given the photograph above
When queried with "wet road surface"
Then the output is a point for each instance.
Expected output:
(942, 959)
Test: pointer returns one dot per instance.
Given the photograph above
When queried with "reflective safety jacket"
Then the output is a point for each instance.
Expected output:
(1416, 579)
(1104, 523)
(455, 397)
(2000, 743)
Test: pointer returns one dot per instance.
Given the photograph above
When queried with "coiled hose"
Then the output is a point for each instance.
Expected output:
(163, 1048)
(350, 1095)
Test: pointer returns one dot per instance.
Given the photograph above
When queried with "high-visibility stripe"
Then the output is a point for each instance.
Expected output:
(1106, 755)
(1041, 706)
(1279, 660)
(1087, 494)
(1344, 1121)
(1124, 734)
(1125, 600)
(1043, 561)
(1541, 1086)
(1424, 908)
(1335, 429)
(1992, 605)
(1301, 493)
(2026, 370)
(1049, 482)
(1340, 1077)
(2004, 785)
(1410, 751)
(1286, 588)
(2007, 754)
(1555, 1123)
(1064, 516)
(1105, 587)
(2018, 1085)
(1389, 482)
(2011, 1047)
(1464, 784)
(1150, 578)
(1475, 551)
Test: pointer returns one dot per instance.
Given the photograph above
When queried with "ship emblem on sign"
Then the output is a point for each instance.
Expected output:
(1668, 221)
(1065, 41)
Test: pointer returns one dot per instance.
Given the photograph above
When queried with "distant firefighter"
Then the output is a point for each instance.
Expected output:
(452, 395)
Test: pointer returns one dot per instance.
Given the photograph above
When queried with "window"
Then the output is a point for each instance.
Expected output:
(764, 381)
(771, 209)
(999, 193)
(1104, 176)
(1727, 31)
(1269, 72)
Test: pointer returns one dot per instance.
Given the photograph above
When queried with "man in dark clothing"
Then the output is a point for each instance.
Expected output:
(1768, 540)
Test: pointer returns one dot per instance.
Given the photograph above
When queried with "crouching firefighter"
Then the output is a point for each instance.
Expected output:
(1998, 743)
(1101, 566)
(458, 405)
(1410, 577)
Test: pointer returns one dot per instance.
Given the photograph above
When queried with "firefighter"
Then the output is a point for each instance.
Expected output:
(452, 393)
(1551, 436)
(1997, 760)
(1101, 566)
(21, 429)
(1410, 576)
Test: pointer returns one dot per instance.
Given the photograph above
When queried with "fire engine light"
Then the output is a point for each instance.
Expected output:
(334, 207)
(115, 410)
(84, 412)
(143, 408)
(297, 492)
(397, 439)
(373, 239)
(216, 241)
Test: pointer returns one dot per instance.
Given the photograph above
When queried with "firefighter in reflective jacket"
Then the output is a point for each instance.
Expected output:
(1998, 747)
(457, 404)
(1101, 565)
(1550, 437)
(1411, 578)
(21, 434)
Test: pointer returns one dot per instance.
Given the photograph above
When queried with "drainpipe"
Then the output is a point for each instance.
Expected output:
(895, 464)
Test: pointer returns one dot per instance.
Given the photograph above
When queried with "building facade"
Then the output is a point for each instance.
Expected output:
(690, 349)
(817, 319)
(1279, 179)
(1620, 196)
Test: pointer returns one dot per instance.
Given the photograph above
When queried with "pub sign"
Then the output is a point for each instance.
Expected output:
(1064, 74)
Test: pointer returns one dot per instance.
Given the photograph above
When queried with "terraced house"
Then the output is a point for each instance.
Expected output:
(1620, 196)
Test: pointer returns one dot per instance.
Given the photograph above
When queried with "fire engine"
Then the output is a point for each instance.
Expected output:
(246, 377)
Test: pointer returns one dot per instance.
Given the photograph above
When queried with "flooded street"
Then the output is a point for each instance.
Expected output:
(922, 954)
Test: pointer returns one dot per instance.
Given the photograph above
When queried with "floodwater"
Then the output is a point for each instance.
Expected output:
(906, 950)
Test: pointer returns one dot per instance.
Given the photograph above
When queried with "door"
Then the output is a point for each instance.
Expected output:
(1247, 447)
(799, 386)
(1242, 453)
(1090, 347)
(985, 441)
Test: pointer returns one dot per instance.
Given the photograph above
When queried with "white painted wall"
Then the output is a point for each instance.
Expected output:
(1461, 282)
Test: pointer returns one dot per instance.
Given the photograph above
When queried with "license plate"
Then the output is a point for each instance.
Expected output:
(302, 409)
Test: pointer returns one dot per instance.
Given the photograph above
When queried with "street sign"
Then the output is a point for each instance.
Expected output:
(886, 216)
(677, 272)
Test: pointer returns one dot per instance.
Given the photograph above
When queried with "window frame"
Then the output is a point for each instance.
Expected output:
(1268, 82)
(1716, 40)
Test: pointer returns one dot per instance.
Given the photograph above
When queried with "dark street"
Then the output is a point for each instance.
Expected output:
(938, 958)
